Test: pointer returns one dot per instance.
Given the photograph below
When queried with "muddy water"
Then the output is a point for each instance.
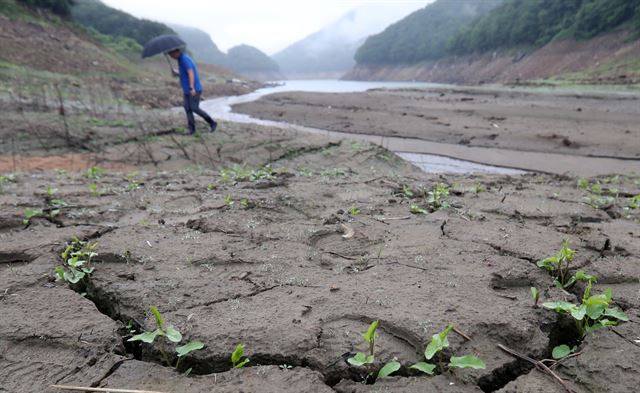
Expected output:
(221, 108)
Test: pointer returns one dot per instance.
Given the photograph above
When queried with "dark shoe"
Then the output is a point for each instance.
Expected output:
(214, 126)
(191, 132)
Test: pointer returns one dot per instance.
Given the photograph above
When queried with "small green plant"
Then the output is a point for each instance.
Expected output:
(361, 359)
(244, 203)
(238, 360)
(583, 184)
(93, 190)
(635, 202)
(228, 200)
(558, 265)
(407, 192)
(238, 174)
(77, 258)
(132, 182)
(169, 332)
(4, 179)
(415, 209)
(439, 342)
(30, 214)
(94, 173)
(211, 187)
(593, 313)
(389, 369)
(51, 199)
(437, 197)
(535, 294)
(354, 211)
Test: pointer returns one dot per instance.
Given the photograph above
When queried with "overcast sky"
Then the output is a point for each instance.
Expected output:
(270, 25)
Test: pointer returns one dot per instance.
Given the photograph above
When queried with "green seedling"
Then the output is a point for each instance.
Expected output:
(30, 214)
(437, 198)
(93, 190)
(354, 211)
(132, 182)
(439, 342)
(583, 184)
(558, 266)
(406, 192)
(244, 203)
(238, 174)
(635, 202)
(94, 173)
(169, 332)
(228, 200)
(211, 187)
(362, 359)
(415, 209)
(593, 313)
(4, 179)
(535, 294)
(238, 360)
(562, 351)
(77, 258)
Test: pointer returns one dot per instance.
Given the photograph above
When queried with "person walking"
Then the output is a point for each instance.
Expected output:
(192, 89)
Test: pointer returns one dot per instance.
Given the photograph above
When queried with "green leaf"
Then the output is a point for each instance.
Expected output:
(388, 369)
(415, 209)
(467, 361)
(426, 368)
(360, 359)
(189, 347)
(535, 293)
(242, 363)
(237, 356)
(579, 312)
(562, 351)
(438, 343)
(146, 337)
(616, 313)
(595, 311)
(370, 335)
(560, 306)
(59, 271)
(156, 314)
(582, 276)
(173, 334)
(73, 276)
(88, 270)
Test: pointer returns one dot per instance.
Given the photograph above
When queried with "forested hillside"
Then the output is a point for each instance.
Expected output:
(59, 7)
(453, 27)
(112, 22)
(424, 34)
(200, 45)
(537, 22)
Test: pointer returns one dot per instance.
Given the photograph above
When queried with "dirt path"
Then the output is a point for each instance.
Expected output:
(247, 255)
(578, 134)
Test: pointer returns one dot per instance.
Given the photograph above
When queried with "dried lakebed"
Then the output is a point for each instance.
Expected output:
(274, 271)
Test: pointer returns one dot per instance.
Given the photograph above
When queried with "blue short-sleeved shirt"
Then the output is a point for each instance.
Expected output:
(185, 63)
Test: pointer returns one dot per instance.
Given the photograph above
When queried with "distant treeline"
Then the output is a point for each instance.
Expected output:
(537, 22)
(115, 23)
(449, 27)
(59, 7)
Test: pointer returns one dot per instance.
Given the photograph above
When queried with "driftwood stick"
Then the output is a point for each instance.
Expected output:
(540, 366)
(85, 389)
(456, 330)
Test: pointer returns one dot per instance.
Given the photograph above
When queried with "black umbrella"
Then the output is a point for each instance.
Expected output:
(162, 44)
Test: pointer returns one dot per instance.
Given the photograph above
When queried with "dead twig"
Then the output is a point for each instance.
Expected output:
(540, 366)
(383, 219)
(111, 390)
(456, 330)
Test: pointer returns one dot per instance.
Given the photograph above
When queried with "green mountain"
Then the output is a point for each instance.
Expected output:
(109, 21)
(200, 45)
(538, 22)
(247, 59)
(424, 34)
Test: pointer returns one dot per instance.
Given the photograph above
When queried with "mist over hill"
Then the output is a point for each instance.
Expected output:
(330, 51)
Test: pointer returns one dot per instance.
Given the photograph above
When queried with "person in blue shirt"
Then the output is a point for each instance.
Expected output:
(192, 90)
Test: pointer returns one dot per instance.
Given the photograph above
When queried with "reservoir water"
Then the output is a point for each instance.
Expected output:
(221, 108)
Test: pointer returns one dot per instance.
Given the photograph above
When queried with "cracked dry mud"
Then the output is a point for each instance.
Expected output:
(275, 273)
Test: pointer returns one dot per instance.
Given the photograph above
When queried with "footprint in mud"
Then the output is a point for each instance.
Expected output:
(327, 245)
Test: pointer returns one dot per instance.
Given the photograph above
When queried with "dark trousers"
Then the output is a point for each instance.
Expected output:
(191, 106)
